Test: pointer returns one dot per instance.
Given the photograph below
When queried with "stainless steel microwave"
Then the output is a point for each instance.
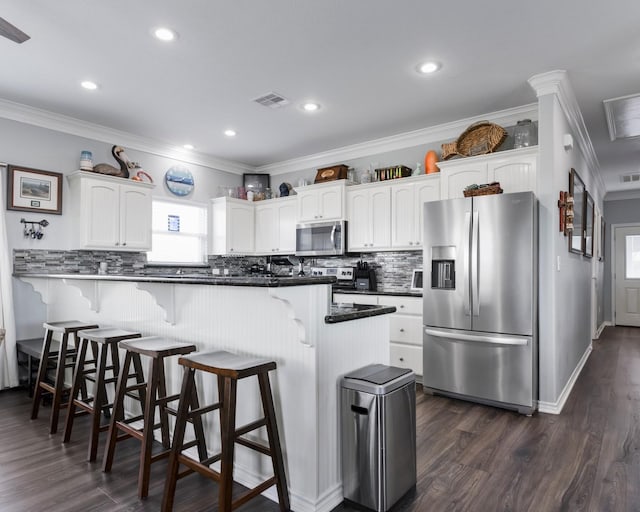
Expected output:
(321, 238)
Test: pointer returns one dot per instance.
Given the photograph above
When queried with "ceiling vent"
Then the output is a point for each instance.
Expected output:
(631, 178)
(623, 116)
(272, 100)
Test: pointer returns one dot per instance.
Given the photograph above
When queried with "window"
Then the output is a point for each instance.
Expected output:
(632, 260)
(179, 233)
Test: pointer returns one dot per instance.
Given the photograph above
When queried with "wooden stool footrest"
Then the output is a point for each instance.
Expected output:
(194, 465)
(254, 446)
(166, 399)
(253, 492)
(136, 387)
(204, 410)
(250, 426)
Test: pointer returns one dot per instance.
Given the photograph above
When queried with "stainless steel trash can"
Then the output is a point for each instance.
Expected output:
(378, 431)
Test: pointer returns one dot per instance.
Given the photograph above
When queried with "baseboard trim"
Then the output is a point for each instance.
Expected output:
(557, 406)
(601, 328)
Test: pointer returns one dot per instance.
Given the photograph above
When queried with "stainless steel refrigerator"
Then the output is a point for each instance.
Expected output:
(480, 299)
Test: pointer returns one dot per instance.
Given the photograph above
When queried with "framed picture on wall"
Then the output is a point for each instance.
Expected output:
(33, 190)
(588, 225)
(602, 239)
(577, 191)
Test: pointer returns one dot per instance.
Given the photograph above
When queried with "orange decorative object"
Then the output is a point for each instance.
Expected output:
(430, 160)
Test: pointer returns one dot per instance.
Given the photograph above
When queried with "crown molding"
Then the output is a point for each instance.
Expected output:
(72, 126)
(557, 83)
(414, 138)
(620, 195)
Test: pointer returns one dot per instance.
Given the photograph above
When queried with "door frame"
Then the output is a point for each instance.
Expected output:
(612, 266)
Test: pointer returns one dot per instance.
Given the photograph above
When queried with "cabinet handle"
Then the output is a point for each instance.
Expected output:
(401, 330)
(401, 306)
(410, 243)
(124, 243)
(402, 359)
(117, 244)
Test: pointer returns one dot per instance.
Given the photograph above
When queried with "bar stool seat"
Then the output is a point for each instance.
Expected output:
(152, 395)
(65, 358)
(102, 342)
(229, 368)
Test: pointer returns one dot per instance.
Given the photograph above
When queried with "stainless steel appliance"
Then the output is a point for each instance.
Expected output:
(416, 280)
(345, 276)
(480, 299)
(378, 430)
(321, 238)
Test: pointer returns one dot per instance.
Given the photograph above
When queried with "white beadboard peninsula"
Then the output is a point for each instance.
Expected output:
(273, 319)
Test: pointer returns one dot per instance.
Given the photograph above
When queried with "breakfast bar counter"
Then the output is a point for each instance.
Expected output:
(289, 320)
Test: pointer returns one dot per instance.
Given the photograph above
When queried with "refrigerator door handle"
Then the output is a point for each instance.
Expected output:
(475, 254)
(481, 338)
(465, 266)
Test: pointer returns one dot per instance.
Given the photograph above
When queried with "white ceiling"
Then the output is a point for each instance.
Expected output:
(356, 57)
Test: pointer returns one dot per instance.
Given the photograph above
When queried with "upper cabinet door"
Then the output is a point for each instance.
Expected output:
(321, 202)
(403, 216)
(135, 217)
(266, 228)
(358, 237)
(424, 192)
(99, 215)
(379, 208)
(516, 173)
(454, 179)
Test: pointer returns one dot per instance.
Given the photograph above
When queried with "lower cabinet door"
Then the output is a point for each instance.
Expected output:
(407, 356)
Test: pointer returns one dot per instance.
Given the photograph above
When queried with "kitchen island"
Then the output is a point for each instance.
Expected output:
(288, 320)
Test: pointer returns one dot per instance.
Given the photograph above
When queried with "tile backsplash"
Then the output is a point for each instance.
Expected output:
(393, 269)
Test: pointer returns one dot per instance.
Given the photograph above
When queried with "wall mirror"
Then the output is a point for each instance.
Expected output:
(577, 191)
(588, 225)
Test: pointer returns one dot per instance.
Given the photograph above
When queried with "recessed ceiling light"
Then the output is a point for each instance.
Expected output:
(230, 133)
(311, 106)
(165, 34)
(188, 146)
(88, 84)
(426, 68)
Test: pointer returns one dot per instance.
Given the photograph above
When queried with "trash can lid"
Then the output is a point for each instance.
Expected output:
(378, 378)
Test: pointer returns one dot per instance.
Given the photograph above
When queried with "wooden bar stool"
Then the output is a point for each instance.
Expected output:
(229, 368)
(65, 359)
(102, 342)
(152, 395)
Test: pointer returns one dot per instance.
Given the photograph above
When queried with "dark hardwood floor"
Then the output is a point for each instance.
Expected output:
(470, 457)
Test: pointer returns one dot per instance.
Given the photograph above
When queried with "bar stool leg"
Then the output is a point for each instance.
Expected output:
(228, 429)
(164, 416)
(59, 384)
(188, 384)
(42, 374)
(149, 420)
(274, 440)
(78, 377)
(99, 399)
(117, 414)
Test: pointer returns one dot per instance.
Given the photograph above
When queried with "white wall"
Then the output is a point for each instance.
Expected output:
(565, 278)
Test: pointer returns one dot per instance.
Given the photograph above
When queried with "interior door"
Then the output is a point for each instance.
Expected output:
(627, 275)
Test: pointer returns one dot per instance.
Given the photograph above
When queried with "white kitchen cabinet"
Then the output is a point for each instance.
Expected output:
(459, 174)
(368, 216)
(515, 170)
(111, 213)
(275, 226)
(407, 199)
(405, 326)
(516, 173)
(231, 226)
(321, 202)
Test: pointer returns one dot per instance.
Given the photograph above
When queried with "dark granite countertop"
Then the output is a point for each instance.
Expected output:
(379, 292)
(255, 281)
(344, 313)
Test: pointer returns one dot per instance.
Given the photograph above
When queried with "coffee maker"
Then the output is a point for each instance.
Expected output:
(365, 277)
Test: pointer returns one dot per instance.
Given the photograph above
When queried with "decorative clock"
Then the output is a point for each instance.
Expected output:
(179, 180)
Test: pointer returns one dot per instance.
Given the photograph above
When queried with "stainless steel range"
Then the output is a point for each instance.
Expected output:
(346, 276)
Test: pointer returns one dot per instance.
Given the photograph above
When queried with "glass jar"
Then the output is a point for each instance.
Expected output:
(525, 134)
